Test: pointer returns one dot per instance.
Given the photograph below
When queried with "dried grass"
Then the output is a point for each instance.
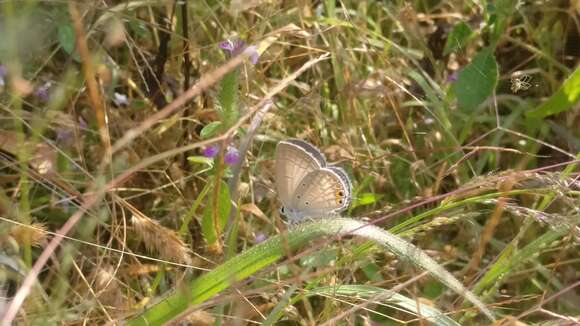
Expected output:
(33, 234)
(161, 240)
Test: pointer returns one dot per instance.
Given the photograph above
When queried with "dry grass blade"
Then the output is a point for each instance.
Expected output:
(89, 73)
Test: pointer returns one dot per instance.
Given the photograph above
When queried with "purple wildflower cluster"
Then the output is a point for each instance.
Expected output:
(231, 157)
(236, 47)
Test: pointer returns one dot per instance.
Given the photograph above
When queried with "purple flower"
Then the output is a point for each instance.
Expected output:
(252, 50)
(120, 99)
(453, 77)
(235, 47)
(82, 123)
(232, 156)
(211, 151)
(41, 92)
(64, 135)
(3, 72)
(260, 237)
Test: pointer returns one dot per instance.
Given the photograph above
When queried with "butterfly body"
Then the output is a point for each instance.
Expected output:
(307, 187)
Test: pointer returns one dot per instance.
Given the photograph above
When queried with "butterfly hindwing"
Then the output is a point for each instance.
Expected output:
(346, 180)
(321, 192)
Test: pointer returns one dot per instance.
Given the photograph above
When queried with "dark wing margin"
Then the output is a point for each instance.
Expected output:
(310, 149)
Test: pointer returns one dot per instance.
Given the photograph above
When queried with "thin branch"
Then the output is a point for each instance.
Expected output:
(89, 72)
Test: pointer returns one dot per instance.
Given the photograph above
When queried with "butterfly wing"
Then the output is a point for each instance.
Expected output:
(323, 191)
(294, 160)
(346, 181)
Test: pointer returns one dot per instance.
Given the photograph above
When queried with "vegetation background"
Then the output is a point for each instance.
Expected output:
(136, 162)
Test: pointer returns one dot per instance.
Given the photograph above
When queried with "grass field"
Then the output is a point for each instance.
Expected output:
(138, 171)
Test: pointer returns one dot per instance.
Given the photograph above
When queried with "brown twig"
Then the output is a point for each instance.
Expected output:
(89, 72)
(154, 73)
(185, 32)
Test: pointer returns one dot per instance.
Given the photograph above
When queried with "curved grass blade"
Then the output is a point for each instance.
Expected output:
(378, 294)
(258, 257)
(385, 297)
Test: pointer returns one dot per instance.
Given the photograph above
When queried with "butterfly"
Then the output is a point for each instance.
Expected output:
(307, 187)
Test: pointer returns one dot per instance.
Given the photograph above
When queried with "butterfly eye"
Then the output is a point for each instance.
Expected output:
(282, 210)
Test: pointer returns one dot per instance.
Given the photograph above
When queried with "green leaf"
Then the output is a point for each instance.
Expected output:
(228, 98)
(201, 160)
(433, 289)
(458, 38)
(268, 252)
(366, 198)
(511, 259)
(564, 99)
(67, 38)
(210, 130)
(500, 15)
(372, 272)
(211, 213)
(477, 80)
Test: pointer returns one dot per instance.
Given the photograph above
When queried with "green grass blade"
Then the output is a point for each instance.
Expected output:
(256, 258)
(509, 260)
(431, 314)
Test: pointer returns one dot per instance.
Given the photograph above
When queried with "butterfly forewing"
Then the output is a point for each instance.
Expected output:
(294, 161)
(310, 149)
(321, 192)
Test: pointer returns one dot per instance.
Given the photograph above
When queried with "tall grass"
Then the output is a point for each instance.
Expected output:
(136, 162)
